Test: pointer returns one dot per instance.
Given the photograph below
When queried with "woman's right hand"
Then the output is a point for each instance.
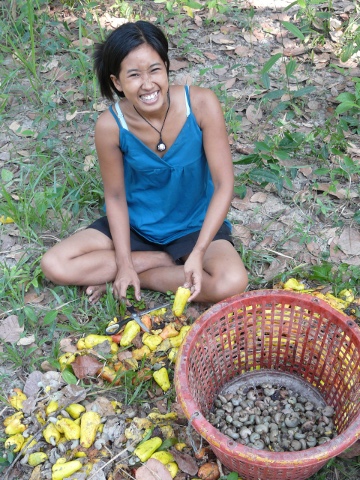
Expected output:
(125, 277)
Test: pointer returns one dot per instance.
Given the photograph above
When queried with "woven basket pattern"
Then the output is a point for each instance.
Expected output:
(284, 331)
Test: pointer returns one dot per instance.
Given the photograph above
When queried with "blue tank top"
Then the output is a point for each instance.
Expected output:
(167, 197)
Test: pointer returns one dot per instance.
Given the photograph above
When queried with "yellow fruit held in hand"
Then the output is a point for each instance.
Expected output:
(181, 297)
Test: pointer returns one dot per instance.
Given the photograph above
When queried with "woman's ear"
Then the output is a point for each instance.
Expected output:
(116, 83)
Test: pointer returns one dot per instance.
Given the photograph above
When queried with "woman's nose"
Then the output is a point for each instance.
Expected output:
(146, 79)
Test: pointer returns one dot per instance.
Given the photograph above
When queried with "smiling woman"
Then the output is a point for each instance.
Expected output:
(167, 172)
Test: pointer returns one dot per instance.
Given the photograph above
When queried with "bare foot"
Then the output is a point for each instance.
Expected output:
(95, 292)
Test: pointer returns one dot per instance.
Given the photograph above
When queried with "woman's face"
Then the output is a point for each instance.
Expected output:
(143, 79)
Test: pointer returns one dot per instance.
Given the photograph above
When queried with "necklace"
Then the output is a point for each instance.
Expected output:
(161, 145)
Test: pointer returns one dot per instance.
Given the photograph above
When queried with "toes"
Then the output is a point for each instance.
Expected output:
(89, 291)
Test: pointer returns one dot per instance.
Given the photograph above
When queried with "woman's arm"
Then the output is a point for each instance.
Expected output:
(112, 172)
(209, 115)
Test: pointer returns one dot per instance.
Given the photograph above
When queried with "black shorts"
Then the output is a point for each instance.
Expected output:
(176, 249)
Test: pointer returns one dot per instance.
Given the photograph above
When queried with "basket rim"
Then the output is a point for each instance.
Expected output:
(230, 447)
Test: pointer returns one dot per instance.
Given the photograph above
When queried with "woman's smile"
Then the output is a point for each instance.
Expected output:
(150, 98)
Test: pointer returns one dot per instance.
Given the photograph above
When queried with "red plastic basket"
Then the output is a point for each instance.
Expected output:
(282, 331)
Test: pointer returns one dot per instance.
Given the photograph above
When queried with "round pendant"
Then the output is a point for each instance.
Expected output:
(161, 146)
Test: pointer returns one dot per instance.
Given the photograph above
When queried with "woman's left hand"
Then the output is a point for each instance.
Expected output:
(193, 269)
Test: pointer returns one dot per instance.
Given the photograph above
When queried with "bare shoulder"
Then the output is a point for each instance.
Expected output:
(205, 105)
(106, 127)
(203, 97)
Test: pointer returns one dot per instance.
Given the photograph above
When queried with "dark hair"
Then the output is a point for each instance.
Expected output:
(109, 54)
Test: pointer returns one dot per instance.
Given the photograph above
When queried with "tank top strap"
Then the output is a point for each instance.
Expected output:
(119, 116)
(187, 100)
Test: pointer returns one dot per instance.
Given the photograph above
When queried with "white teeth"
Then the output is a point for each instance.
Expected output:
(150, 97)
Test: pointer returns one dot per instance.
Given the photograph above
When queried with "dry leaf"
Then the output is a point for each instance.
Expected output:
(33, 297)
(242, 51)
(293, 52)
(336, 255)
(71, 393)
(10, 330)
(84, 42)
(259, 197)
(221, 40)
(67, 346)
(124, 355)
(29, 340)
(47, 367)
(250, 38)
(85, 366)
(176, 65)
(185, 462)
(36, 473)
(253, 114)
(243, 233)
(153, 470)
(29, 405)
(59, 75)
(229, 83)
(210, 55)
(313, 248)
(89, 162)
(340, 193)
(349, 241)
(31, 386)
(278, 265)
(70, 116)
(46, 67)
(102, 405)
(22, 131)
(100, 107)
(198, 20)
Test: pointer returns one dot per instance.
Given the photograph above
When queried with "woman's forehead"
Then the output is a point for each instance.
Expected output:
(143, 56)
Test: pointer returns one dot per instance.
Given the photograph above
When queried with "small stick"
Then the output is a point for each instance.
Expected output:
(220, 467)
